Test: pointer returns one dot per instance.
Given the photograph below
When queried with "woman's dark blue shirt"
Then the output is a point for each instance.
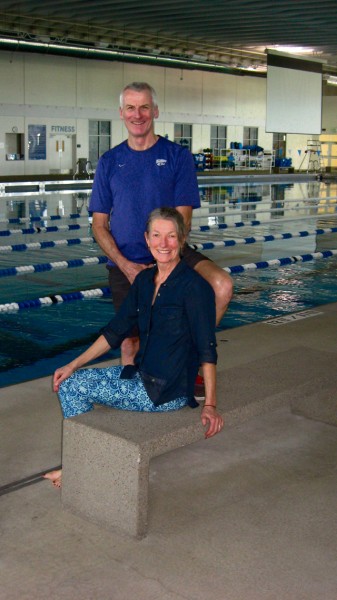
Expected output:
(177, 331)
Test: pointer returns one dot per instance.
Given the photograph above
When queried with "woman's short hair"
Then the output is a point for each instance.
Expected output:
(168, 214)
(139, 86)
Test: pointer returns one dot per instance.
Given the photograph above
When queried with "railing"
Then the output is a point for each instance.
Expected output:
(37, 188)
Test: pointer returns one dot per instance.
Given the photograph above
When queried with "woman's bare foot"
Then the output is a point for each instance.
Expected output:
(55, 477)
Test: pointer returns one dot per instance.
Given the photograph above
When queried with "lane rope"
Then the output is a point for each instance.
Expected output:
(55, 299)
(196, 245)
(43, 245)
(99, 292)
(50, 229)
(62, 264)
(199, 214)
(81, 262)
(260, 238)
(255, 222)
(278, 262)
(18, 220)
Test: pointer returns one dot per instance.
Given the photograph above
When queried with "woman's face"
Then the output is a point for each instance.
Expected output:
(163, 242)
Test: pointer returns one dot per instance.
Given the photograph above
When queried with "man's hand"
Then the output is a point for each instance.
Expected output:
(131, 269)
(102, 234)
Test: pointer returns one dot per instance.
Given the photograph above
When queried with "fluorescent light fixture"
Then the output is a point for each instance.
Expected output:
(102, 44)
(196, 61)
(45, 39)
(295, 49)
(332, 80)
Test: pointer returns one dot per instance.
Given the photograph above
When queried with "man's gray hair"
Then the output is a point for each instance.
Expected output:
(139, 86)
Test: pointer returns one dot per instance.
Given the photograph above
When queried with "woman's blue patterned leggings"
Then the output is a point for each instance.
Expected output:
(87, 387)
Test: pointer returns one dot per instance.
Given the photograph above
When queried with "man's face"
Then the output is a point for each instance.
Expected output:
(138, 113)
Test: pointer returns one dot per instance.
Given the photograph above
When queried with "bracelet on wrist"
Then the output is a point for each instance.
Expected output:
(212, 405)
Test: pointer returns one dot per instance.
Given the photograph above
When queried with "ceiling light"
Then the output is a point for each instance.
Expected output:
(43, 38)
(101, 44)
(198, 61)
(295, 49)
(332, 80)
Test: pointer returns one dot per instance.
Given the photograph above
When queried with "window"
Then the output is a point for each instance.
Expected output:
(99, 140)
(37, 145)
(183, 134)
(218, 138)
(15, 146)
(279, 144)
(250, 136)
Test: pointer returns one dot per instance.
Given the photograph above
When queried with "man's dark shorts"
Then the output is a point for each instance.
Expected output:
(119, 284)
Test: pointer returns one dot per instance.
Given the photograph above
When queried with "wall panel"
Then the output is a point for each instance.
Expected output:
(50, 80)
(99, 87)
(12, 78)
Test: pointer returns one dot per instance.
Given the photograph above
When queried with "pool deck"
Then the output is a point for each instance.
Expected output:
(247, 515)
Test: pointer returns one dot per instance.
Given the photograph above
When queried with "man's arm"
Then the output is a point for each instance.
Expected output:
(102, 234)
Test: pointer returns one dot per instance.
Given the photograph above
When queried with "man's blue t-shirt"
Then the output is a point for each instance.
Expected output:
(129, 184)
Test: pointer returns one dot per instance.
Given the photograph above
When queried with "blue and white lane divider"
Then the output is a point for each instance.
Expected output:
(50, 244)
(55, 298)
(62, 264)
(42, 219)
(260, 238)
(76, 226)
(51, 229)
(81, 262)
(205, 212)
(256, 222)
(197, 245)
(279, 262)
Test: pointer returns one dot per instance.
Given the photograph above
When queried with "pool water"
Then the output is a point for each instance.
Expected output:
(268, 293)
(35, 341)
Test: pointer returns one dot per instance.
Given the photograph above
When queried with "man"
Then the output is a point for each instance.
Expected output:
(144, 172)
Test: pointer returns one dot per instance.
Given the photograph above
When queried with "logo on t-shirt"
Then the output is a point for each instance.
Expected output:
(161, 162)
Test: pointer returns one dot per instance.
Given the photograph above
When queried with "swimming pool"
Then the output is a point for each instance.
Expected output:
(35, 341)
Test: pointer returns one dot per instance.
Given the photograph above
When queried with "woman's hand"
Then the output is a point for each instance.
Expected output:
(210, 417)
(61, 374)
(99, 347)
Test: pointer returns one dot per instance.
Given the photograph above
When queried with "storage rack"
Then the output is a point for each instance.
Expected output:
(243, 159)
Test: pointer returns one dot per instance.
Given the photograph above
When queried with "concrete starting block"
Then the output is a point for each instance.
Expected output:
(106, 456)
(106, 453)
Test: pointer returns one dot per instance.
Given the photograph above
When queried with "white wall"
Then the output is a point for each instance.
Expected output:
(329, 116)
(64, 91)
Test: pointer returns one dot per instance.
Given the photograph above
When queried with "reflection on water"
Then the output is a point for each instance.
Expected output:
(266, 201)
(32, 207)
(267, 293)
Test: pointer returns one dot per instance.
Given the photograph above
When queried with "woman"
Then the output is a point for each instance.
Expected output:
(174, 309)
